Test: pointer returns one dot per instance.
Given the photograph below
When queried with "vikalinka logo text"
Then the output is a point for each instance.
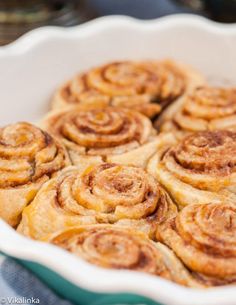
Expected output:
(19, 300)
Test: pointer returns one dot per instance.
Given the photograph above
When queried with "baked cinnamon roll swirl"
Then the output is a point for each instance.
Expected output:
(28, 158)
(113, 247)
(200, 169)
(146, 86)
(204, 238)
(106, 193)
(206, 108)
(96, 134)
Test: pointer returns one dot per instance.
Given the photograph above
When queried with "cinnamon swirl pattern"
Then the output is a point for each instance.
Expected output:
(206, 108)
(200, 169)
(28, 158)
(144, 86)
(96, 134)
(112, 247)
(107, 193)
(204, 238)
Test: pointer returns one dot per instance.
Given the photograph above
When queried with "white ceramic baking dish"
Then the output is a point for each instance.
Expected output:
(33, 66)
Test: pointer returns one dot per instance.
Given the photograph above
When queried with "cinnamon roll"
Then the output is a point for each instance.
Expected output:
(204, 238)
(200, 169)
(146, 86)
(28, 158)
(106, 193)
(96, 134)
(113, 247)
(206, 108)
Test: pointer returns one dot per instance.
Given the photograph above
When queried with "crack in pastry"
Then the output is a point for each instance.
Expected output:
(204, 238)
(200, 169)
(95, 134)
(206, 108)
(146, 86)
(107, 193)
(28, 158)
(113, 247)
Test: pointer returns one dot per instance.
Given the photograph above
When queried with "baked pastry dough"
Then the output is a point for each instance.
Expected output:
(106, 193)
(113, 247)
(204, 238)
(200, 169)
(206, 108)
(146, 86)
(28, 158)
(95, 134)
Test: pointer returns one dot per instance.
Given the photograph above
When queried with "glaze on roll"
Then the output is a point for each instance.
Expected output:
(204, 238)
(200, 169)
(206, 108)
(108, 193)
(113, 247)
(146, 86)
(96, 134)
(28, 158)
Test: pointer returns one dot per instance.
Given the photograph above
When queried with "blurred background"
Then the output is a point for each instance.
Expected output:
(19, 16)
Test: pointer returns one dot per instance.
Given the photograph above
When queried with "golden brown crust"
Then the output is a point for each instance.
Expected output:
(94, 134)
(203, 237)
(106, 193)
(113, 247)
(200, 169)
(146, 86)
(28, 158)
(206, 108)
